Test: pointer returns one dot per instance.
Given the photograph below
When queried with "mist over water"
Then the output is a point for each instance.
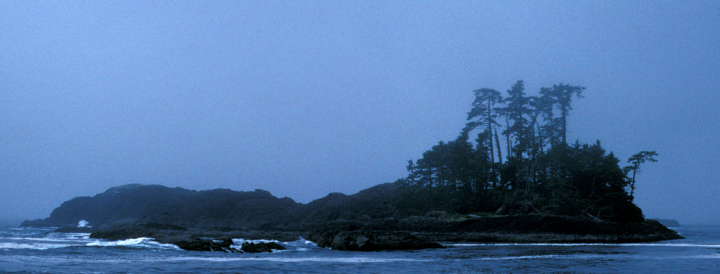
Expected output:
(4, 223)
(307, 98)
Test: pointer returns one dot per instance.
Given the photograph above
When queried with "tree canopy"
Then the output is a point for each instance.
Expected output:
(541, 173)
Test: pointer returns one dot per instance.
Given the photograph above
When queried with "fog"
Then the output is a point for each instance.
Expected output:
(304, 98)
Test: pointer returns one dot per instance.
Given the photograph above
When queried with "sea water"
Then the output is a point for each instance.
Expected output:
(33, 250)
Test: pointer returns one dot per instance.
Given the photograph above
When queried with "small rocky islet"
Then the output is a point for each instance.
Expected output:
(366, 221)
(544, 190)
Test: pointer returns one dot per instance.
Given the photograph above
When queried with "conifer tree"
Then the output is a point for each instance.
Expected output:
(485, 100)
(636, 160)
(563, 97)
(578, 179)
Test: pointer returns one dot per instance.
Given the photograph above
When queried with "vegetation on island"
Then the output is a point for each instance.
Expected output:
(540, 174)
(554, 192)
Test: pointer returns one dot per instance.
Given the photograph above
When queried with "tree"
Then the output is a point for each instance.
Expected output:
(482, 112)
(562, 96)
(636, 160)
(577, 179)
(485, 99)
(516, 110)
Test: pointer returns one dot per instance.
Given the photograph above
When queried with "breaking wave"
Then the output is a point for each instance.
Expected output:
(43, 239)
(299, 245)
(36, 246)
(133, 243)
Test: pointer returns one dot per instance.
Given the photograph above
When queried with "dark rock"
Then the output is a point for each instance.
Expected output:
(122, 231)
(220, 208)
(75, 229)
(225, 245)
(198, 244)
(363, 240)
(530, 228)
(261, 247)
(193, 240)
(368, 220)
(160, 204)
(368, 204)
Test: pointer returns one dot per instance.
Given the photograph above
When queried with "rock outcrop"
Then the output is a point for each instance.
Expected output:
(226, 245)
(418, 231)
(365, 240)
(160, 204)
(261, 247)
(187, 239)
(198, 244)
(122, 231)
(368, 220)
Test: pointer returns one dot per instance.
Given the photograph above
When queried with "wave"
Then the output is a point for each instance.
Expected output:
(40, 240)
(133, 243)
(298, 245)
(50, 239)
(585, 244)
(140, 243)
(43, 239)
(36, 246)
(599, 257)
(362, 259)
(65, 240)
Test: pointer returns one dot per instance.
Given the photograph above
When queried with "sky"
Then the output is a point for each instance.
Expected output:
(304, 98)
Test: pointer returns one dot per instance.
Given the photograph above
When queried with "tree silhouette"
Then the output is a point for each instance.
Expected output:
(517, 108)
(636, 160)
(482, 109)
(485, 100)
(562, 96)
(577, 179)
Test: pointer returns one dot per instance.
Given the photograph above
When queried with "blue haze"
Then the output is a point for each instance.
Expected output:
(303, 98)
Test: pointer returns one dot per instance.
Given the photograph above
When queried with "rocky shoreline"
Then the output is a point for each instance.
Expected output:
(367, 221)
(405, 234)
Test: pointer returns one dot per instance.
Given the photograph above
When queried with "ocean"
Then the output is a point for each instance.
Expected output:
(31, 250)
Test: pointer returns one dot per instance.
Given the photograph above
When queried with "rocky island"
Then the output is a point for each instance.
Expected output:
(543, 190)
(365, 221)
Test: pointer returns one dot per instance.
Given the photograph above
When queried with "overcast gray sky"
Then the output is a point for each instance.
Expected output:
(303, 98)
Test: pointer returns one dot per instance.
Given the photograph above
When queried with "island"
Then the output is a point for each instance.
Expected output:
(544, 190)
(366, 221)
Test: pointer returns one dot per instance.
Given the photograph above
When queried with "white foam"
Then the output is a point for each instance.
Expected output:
(40, 239)
(83, 223)
(517, 257)
(54, 238)
(306, 242)
(133, 243)
(257, 241)
(713, 256)
(299, 245)
(37, 239)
